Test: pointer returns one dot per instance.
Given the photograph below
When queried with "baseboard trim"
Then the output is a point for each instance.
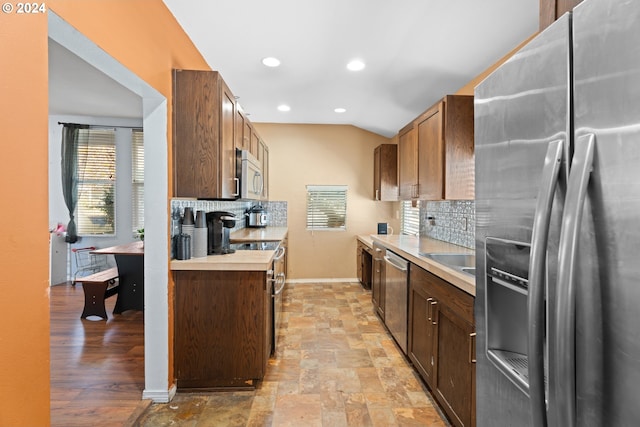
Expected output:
(160, 396)
(310, 281)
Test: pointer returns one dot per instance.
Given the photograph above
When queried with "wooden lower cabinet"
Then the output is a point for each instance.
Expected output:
(221, 328)
(442, 343)
(364, 264)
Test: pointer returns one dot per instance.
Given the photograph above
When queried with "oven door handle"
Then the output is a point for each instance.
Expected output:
(279, 277)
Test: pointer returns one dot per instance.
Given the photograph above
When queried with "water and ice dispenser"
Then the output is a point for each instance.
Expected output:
(507, 265)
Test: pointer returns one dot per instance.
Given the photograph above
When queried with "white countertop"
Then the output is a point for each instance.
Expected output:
(410, 247)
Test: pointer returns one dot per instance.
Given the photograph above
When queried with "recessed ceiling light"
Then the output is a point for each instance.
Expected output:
(340, 110)
(284, 107)
(271, 61)
(356, 65)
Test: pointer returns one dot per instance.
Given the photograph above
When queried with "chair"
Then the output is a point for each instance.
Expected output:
(88, 263)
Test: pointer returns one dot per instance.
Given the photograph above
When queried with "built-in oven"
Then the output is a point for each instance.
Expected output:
(276, 279)
(279, 281)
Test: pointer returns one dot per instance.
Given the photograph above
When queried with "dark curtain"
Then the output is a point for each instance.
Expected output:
(70, 138)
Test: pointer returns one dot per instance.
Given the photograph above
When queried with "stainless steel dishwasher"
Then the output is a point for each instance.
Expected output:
(396, 297)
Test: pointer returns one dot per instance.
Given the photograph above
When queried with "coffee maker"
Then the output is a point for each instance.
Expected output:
(219, 224)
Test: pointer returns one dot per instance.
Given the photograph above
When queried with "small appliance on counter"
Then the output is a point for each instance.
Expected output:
(219, 224)
(256, 216)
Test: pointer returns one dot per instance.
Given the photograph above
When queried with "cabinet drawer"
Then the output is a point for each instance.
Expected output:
(457, 300)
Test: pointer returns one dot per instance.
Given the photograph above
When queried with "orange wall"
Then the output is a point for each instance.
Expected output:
(143, 36)
(24, 308)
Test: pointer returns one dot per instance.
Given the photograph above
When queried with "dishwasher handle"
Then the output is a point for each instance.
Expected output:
(397, 262)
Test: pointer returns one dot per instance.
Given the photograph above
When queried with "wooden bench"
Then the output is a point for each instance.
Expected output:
(98, 287)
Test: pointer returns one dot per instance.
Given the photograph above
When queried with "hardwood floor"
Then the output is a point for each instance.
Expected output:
(97, 367)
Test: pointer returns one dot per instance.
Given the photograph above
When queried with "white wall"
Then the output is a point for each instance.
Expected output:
(58, 210)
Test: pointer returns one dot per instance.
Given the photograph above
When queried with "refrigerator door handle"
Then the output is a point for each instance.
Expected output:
(564, 329)
(537, 268)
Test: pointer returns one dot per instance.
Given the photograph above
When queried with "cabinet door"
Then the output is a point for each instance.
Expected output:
(229, 182)
(455, 374)
(459, 158)
(255, 143)
(430, 154)
(550, 10)
(196, 130)
(422, 340)
(243, 131)
(376, 173)
(408, 164)
(385, 172)
(219, 324)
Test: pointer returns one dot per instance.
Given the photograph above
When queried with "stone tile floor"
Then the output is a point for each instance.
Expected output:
(336, 365)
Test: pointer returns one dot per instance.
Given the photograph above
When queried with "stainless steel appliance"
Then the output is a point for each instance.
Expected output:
(279, 281)
(251, 178)
(396, 297)
(256, 216)
(276, 278)
(219, 224)
(557, 146)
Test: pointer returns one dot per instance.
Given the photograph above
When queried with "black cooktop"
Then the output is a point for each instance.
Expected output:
(255, 246)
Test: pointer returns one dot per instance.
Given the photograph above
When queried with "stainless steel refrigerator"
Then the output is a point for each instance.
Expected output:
(557, 140)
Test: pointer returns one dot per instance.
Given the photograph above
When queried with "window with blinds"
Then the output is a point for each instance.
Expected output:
(327, 207)
(95, 211)
(137, 180)
(410, 221)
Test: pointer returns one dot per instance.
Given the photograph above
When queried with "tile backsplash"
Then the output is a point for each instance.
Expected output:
(452, 221)
(277, 211)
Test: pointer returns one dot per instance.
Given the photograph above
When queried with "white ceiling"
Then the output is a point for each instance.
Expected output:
(416, 51)
(77, 88)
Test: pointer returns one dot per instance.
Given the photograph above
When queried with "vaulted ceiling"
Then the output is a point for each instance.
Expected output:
(415, 52)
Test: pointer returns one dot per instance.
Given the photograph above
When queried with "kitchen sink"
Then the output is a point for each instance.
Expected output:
(469, 270)
(465, 263)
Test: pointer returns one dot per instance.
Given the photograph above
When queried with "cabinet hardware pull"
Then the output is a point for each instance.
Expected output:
(377, 196)
(434, 321)
(237, 193)
(429, 309)
(472, 344)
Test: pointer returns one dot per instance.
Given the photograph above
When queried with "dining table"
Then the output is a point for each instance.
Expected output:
(130, 262)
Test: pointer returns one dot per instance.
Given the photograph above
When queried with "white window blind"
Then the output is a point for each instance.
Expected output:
(410, 219)
(137, 179)
(95, 211)
(326, 207)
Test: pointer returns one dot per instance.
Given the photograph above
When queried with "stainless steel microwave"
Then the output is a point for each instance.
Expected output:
(251, 178)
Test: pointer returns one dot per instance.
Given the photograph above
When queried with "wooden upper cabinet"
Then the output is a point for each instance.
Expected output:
(255, 143)
(437, 152)
(408, 163)
(243, 131)
(459, 158)
(228, 178)
(204, 113)
(385, 172)
(430, 153)
(550, 10)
